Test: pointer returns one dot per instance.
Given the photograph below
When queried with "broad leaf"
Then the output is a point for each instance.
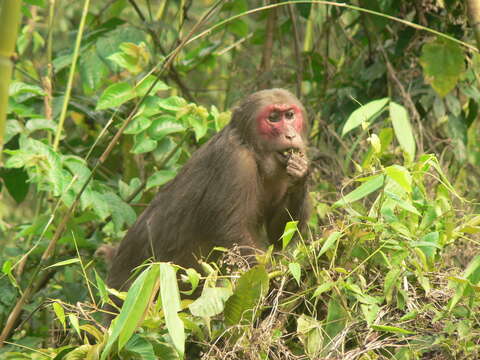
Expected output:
(211, 302)
(160, 177)
(290, 230)
(401, 176)
(133, 309)
(364, 113)
(403, 129)
(145, 84)
(373, 184)
(171, 306)
(331, 240)
(296, 271)
(251, 287)
(115, 95)
(336, 319)
(443, 63)
(163, 126)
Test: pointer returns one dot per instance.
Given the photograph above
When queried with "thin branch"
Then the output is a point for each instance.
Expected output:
(137, 10)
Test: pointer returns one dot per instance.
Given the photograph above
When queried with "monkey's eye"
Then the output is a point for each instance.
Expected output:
(274, 116)
(290, 114)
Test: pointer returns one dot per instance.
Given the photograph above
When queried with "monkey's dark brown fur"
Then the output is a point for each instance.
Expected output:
(248, 177)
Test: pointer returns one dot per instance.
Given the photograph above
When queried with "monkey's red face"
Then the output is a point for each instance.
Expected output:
(281, 126)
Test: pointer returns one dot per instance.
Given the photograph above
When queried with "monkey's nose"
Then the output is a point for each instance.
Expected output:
(290, 136)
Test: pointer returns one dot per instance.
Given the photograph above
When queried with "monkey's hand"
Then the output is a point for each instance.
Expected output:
(297, 165)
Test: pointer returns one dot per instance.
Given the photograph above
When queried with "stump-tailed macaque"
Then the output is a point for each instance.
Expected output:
(247, 180)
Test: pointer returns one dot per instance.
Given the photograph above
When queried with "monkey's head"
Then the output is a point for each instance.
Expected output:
(272, 121)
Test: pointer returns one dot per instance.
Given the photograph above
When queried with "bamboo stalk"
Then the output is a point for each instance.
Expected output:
(71, 75)
(9, 20)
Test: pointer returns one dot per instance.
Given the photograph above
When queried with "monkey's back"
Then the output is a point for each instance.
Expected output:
(209, 203)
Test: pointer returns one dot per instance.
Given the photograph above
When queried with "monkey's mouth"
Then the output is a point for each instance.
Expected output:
(285, 154)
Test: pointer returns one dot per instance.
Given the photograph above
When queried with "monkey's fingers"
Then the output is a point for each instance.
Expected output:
(297, 161)
(296, 170)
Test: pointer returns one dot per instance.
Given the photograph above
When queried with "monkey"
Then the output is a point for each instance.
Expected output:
(249, 179)
(106, 253)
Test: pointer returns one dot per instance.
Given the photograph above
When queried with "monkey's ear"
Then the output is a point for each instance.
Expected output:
(107, 253)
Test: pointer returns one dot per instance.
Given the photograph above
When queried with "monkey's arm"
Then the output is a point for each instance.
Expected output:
(296, 206)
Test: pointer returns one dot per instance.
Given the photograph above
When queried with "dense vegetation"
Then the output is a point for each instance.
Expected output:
(108, 100)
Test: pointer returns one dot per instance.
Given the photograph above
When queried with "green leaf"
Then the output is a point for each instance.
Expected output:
(199, 125)
(163, 126)
(331, 240)
(115, 95)
(290, 230)
(401, 176)
(323, 288)
(78, 167)
(472, 272)
(336, 319)
(171, 306)
(43, 164)
(392, 329)
(133, 309)
(110, 43)
(373, 184)
(172, 103)
(13, 128)
(93, 71)
(402, 203)
(376, 144)
(194, 279)
(102, 288)
(40, 124)
(461, 288)
(18, 88)
(143, 144)
(365, 113)
(391, 281)
(64, 263)
(458, 131)
(140, 347)
(145, 84)
(138, 124)
(403, 129)
(251, 287)
(122, 213)
(132, 57)
(370, 312)
(238, 27)
(16, 182)
(159, 178)
(211, 302)
(75, 323)
(443, 63)
(296, 271)
(453, 104)
(60, 314)
(309, 331)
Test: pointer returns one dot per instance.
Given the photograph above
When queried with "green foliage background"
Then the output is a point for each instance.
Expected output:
(389, 268)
